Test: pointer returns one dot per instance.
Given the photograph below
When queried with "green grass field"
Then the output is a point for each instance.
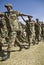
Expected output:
(32, 56)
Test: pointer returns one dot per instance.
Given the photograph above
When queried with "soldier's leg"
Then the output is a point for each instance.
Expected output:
(33, 39)
(0, 46)
(0, 43)
(37, 37)
(22, 38)
(12, 39)
(19, 44)
(9, 42)
(3, 56)
(18, 40)
(28, 37)
(4, 28)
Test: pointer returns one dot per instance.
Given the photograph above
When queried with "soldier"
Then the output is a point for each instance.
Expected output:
(12, 25)
(0, 34)
(33, 32)
(37, 30)
(3, 34)
(22, 32)
(2, 28)
(42, 31)
(28, 29)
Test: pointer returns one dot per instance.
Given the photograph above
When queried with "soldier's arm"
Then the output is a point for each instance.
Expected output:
(20, 14)
(23, 19)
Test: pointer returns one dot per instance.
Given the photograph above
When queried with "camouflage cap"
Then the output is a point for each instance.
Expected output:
(8, 5)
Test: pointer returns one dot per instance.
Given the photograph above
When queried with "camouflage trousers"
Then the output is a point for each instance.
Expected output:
(12, 40)
(2, 41)
(28, 36)
(37, 36)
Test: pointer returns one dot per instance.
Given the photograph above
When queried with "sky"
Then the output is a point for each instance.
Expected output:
(30, 7)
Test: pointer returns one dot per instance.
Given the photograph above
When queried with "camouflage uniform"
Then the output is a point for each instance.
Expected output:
(3, 32)
(42, 30)
(20, 32)
(12, 25)
(0, 34)
(28, 29)
(22, 36)
(37, 30)
(32, 32)
(10, 33)
(3, 29)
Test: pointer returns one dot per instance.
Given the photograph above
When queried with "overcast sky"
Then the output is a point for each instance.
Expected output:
(31, 7)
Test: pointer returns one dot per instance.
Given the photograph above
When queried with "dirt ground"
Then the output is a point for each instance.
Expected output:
(32, 56)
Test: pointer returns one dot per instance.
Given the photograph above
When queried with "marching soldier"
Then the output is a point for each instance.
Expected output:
(37, 30)
(28, 29)
(12, 25)
(3, 28)
(3, 34)
(42, 31)
(1, 25)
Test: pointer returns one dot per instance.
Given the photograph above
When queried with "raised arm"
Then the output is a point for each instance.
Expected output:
(21, 14)
(23, 19)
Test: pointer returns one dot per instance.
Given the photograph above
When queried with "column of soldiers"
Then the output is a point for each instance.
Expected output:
(10, 30)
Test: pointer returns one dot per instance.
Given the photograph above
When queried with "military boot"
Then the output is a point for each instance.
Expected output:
(5, 57)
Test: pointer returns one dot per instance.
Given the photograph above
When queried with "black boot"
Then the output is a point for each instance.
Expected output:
(5, 57)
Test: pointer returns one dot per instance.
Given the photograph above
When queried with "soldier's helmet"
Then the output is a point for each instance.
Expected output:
(9, 5)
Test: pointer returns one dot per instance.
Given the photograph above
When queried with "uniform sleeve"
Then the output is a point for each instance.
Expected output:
(17, 13)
